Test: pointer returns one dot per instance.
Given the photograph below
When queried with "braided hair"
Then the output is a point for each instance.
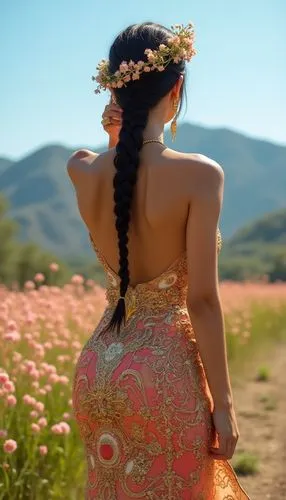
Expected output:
(136, 100)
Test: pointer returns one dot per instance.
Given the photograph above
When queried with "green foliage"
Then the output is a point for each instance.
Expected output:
(263, 374)
(246, 464)
(257, 250)
(20, 262)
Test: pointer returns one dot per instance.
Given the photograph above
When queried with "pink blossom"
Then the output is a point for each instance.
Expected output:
(120, 84)
(17, 357)
(11, 400)
(42, 422)
(39, 406)
(147, 69)
(48, 345)
(4, 377)
(77, 279)
(175, 40)
(35, 374)
(3, 433)
(29, 285)
(65, 427)
(6, 466)
(12, 336)
(135, 76)
(66, 415)
(54, 267)
(11, 325)
(56, 429)
(126, 78)
(43, 450)
(63, 379)
(10, 446)
(48, 388)
(54, 378)
(151, 57)
(160, 68)
(29, 400)
(34, 414)
(123, 67)
(61, 428)
(35, 428)
(39, 277)
(9, 386)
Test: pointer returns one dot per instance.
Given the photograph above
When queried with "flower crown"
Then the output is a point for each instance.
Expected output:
(178, 48)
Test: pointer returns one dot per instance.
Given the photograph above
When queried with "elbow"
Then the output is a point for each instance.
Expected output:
(199, 305)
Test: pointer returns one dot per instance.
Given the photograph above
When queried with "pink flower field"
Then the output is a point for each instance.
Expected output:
(42, 331)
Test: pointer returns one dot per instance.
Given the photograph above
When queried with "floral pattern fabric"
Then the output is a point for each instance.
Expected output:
(142, 402)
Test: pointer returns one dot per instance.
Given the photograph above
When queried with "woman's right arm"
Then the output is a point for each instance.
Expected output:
(204, 304)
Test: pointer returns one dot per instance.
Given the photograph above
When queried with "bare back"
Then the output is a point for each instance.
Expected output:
(168, 182)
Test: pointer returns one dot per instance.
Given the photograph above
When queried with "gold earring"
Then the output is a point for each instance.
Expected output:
(174, 121)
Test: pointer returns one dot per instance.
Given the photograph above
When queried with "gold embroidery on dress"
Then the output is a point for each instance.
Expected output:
(141, 402)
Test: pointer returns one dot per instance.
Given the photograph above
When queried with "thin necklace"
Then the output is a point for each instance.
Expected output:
(153, 140)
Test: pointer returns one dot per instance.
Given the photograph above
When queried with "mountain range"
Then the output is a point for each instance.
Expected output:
(43, 202)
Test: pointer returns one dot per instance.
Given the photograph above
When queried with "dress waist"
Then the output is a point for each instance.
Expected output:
(140, 300)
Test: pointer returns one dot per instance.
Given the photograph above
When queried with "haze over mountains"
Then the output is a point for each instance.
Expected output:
(42, 198)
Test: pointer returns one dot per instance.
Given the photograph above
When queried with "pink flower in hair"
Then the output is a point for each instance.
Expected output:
(123, 67)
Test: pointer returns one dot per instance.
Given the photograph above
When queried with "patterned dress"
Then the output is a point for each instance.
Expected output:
(142, 402)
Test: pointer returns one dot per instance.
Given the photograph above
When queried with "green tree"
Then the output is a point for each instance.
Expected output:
(8, 253)
(278, 269)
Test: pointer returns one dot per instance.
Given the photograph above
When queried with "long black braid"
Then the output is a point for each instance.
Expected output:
(126, 163)
(136, 100)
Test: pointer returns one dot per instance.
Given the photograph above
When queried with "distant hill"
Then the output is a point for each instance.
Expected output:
(5, 163)
(43, 202)
(270, 229)
(258, 248)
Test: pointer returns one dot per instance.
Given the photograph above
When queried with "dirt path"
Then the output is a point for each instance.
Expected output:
(261, 413)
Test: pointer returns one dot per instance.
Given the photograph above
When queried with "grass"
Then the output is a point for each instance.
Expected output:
(263, 374)
(246, 464)
(269, 402)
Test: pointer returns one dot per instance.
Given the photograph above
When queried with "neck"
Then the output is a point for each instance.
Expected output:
(154, 130)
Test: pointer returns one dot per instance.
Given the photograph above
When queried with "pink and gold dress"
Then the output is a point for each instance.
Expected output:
(142, 402)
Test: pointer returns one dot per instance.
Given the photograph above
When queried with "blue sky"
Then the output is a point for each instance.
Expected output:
(50, 49)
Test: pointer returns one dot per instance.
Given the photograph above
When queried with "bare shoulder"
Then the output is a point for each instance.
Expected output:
(203, 165)
(200, 171)
(79, 163)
